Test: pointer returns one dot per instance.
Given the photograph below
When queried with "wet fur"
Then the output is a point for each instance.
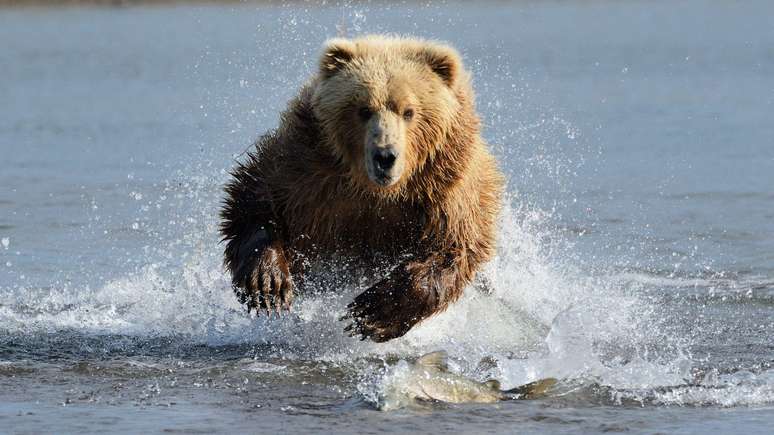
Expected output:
(304, 184)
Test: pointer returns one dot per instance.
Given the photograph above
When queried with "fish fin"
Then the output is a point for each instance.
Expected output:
(493, 384)
(533, 390)
(436, 359)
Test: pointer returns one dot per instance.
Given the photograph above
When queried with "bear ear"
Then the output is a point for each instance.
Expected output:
(336, 54)
(444, 61)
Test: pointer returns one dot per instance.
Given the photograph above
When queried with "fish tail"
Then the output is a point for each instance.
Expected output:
(533, 390)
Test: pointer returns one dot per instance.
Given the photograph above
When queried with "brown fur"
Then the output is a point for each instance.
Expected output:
(305, 184)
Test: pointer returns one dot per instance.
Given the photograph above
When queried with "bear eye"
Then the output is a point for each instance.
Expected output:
(408, 114)
(365, 113)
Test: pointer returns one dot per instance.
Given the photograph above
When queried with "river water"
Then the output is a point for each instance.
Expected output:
(636, 258)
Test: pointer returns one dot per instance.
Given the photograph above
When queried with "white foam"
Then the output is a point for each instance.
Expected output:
(263, 367)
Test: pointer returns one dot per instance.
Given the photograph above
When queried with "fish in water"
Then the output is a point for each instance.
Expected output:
(429, 380)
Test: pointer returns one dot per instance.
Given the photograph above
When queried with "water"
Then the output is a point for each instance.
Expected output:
(635, 261)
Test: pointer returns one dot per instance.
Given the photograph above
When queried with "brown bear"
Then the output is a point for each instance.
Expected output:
(378, 157)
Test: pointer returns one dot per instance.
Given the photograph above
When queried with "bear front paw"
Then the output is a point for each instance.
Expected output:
(270, 286)
(383, 312)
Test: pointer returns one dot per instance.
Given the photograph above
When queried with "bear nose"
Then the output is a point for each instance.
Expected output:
(384, 158)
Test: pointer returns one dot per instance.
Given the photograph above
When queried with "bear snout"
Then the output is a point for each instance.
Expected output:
(384, 166)
(384, 159)
(384, 146)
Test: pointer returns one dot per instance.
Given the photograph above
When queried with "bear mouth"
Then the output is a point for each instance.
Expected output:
(383, 180)
(380, 177)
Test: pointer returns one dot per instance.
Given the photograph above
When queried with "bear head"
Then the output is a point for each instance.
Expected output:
(387, 105)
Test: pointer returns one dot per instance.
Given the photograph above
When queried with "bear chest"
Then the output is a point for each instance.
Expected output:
(345, 228)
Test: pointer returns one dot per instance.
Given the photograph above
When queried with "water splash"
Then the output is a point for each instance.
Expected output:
(541, 317)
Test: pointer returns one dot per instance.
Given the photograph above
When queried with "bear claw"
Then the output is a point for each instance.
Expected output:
(372, 317)
(270, 287)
